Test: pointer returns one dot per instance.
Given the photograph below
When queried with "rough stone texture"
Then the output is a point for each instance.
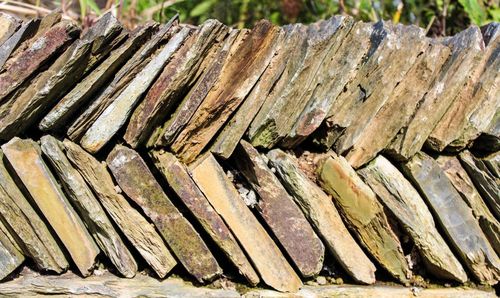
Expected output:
(25, 158)
(8, 26)
(117, 113)
(322, 214)
(265, 256)
(177, 176)
(137, 181)
(280, 213)
(89, 209)
(492, 162)
(251, 56)
(385, 124)
(10, 253)
(463, 184)
(466, 50)
(28, 61)
(405, 204)
(91, 84)
(485, 183)
(141, 234)
(177, 77)
(364, 214)
(455, 217)
(121, 79)
(27, 30)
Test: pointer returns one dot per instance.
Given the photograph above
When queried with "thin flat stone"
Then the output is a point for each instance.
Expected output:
(365, 215)
(136, 180)
(33, 236)
(238, 76)
(141, 234)
(25, 158)
(177, 76)
(405, 204)
(466, 50)
(262, 251)
(463, 184)
(26, 30)
(87, 206)
(10, 254)
(455, 218)
(283, 217)
(485, 183)
(30, 60)
(117, 113)
(178, 178)
(82, 93)
(385, 124)
(322, 214)
(492, 162)
(8, 26)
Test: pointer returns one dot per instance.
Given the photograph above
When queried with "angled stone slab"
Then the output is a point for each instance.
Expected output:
(33, 236)
(340, 67)
(322, 214)
(134, 226)
(385, 124)
(26, 30)
(195, 97)
(121, 80)
(365, 215)
(309, 44)
(466, 50)
(137, 181)
(25, 158)
(10, 253)
(89, 209)
(262, 251)
(455, 218)
(485, 183)
(83, 92)
(178, 178)
(405, 204)
(8, 26)
(178, 75)
(117, 113)
(465, 187)
(251, 56)
(27, 62)
(492, 162)
(279, 211)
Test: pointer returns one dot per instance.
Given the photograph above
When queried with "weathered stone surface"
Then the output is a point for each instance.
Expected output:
(466, 49)
(26, 30)
(404, 202)
(177, 176)
(364, 214)
(378, 133)
(323, 215)
(265, 255)
(244, 67)
(85, 89)
(121, 80)
(194, 98)
(137, 181)
(10, 254)
(455, 217)
(8, 26)
(89, 209)
(117, 113)
(339, 67)
(277, 116)
(280, 212)
(485, 183)
(463, 184)
(25, 158)
(28, 61)
(492, 162)
(177, 77)
(32, 234)
(134, 226)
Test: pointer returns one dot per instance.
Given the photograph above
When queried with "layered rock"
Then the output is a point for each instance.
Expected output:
(10, 254)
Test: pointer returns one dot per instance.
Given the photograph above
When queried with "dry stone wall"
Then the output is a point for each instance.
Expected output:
(264, 154)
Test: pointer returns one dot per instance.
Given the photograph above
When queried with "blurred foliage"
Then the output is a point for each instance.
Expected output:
(440, 17)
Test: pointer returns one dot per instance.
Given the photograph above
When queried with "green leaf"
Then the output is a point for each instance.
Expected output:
(474, 10)
(93, 6)
(494, 14)
(202, 8)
